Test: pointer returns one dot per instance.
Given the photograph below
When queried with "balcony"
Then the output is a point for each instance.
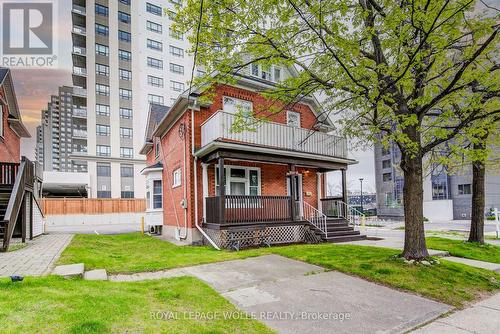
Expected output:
(77, 133)
(78, 50)
(79, 112)
(273, 135)
(79, 71)
(79, 30)
(79, 9)
(79, 91)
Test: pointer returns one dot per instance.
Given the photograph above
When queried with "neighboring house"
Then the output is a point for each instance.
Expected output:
(274, 174)
(20, 214)
(446, 196)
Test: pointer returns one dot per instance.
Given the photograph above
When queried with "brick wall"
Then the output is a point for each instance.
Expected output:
(10, 143)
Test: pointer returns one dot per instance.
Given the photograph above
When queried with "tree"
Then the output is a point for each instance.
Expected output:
(385, 66)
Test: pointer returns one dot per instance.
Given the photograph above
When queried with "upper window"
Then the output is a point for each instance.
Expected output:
(102, 130)
(102, 89)
(266, 72)
(155, 63)
(124, 17)
(176, 178)
(175, 51)
(125, 113)
(103, 169)
(157, 148)
(124, 55)
(176, 86)
(155, 81)
(293, 118)
(102, 50)
(175, 34)
(125, 74)
(464, 189)
(233, 106)
(125, 94)
(175, 68)
(153, 9)
(101, 69)
(157, 194)
(386, 177)
(127, 171)
(103, 150)
(126, 152)
(101, 10)
(102, 109)
(126, 133)
(124, 36)
(154, 45)
(125, 2)
(101, 29)
(155, 27)
(156, 99)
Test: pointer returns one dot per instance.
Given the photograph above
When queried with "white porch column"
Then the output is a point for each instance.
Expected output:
(318, 190)
(204, 178)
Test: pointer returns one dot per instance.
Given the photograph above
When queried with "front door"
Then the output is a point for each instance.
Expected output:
(295, 181)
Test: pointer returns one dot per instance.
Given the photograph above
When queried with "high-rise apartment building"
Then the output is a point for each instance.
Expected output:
(447, 196)
(126, 56)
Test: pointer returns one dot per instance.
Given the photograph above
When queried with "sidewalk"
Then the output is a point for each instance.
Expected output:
(483, 317)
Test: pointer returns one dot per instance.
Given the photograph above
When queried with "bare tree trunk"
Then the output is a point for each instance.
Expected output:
(413, 196)
(476, 233)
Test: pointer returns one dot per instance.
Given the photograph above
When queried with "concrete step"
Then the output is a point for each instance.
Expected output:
(345, 238)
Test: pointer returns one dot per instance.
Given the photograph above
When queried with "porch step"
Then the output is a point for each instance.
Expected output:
(345, 238)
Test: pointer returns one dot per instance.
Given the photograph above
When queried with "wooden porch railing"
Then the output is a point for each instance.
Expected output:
(8, 172)
(331, 207)
(248, 209)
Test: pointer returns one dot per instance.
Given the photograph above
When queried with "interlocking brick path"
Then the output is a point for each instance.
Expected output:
(37, 258)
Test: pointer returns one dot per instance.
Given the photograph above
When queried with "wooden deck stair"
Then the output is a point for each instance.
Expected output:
(4, 200)
(339, 231)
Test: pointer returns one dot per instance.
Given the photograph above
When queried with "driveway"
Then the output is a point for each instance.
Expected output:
(37, 258)
(295, 297)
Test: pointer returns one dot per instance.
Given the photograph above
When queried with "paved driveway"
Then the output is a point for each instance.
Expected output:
(37, 258)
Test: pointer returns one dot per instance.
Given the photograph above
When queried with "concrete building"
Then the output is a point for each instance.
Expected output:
(125, 57)
(446, 196)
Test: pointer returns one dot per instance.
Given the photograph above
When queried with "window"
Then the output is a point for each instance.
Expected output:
(177, 86)
(125, 2)
(101, 29)
(101, 50)
(176, 178)
(177, 2)
(155, 99)
(124, 17)
(103, 150)
(277, 74)
(171, 15)
(124, 36)
(127, 194)
(101, 10)
(293, 119)
(386, 164)
(126, 133)
(125, 94)
(126, 152)
(386, 151)
(157, 148)
(125, 74)
(154, 27)
(175, 34)
(233, 106)
(102, 90)
(255, 70)
(125, 113)
(386, 177)
(239, 180)
(175, 51)
(102, 109)
(127, 171)
(103, 194)
(464, 189)
(154, 45)
(157, 194)
(102, 130)
(124, 55)
(155, 10)
(266, 72)
(101, 69)
(103, 169)
(1, 120)
(155, 63)
(174, 68)
(155, 81)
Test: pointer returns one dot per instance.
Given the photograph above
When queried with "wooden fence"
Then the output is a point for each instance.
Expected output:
(91, 206)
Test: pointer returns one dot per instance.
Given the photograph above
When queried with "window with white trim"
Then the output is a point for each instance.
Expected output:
(176, 178)
(293, 118)
(233, 106)
(157, 194)
(239, 180)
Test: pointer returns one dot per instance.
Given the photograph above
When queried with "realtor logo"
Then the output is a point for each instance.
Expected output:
(27, 28)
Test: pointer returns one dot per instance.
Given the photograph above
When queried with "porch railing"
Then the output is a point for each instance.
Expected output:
(336, 208)
(8, 172)
(274, 135)
(316, 218)
(248, 209)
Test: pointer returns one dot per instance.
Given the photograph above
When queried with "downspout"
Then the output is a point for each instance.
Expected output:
(195, 171)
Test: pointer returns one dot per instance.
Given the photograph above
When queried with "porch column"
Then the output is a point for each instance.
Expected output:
(204, 177)
(23, 219)
(222, 192)
(292, 191)
(318, 189)
(344, 186)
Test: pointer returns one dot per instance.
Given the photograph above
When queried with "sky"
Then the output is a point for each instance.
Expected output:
(34, 87)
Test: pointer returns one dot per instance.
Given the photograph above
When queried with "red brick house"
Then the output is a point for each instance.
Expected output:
(20, 214)
(274, 173)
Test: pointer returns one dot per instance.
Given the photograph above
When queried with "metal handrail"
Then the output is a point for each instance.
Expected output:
(315, 217)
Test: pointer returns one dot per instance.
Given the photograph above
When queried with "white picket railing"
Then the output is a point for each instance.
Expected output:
(339, 209)
(316, 218)
(272, 134)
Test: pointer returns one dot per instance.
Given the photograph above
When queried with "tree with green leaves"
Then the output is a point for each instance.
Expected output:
(390, 69)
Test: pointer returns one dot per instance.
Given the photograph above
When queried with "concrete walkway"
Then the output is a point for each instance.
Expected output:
(295, 297)
(475, 263)
(37, 258)
(482, 318)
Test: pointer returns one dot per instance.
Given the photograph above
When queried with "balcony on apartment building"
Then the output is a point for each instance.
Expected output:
(79, 133)
(79, 9)
(79, 92)
(79, 30)
(79, 112)
(269, 137)
(79, 50)
(79, 71)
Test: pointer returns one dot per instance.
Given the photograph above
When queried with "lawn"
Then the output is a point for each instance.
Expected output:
(57, 305)
(452, 283)
(486, 252)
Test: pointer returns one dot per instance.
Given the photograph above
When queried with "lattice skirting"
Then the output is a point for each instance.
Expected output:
(277, 235)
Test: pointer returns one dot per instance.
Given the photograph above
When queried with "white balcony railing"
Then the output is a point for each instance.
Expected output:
(80, 112)
(79, 30)
(79, 70)
(273, 135)
(79, 91)
(79, 133)
(79, 50)
(79, 9)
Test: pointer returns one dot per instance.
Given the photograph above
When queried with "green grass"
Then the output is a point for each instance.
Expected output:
(460, 248)
(16, 247)
(57, 305)
(452, 283)
(133, 252)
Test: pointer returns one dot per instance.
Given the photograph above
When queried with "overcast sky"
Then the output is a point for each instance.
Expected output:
(34, 87)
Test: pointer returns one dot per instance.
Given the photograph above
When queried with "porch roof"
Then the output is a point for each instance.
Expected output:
(246, 152)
